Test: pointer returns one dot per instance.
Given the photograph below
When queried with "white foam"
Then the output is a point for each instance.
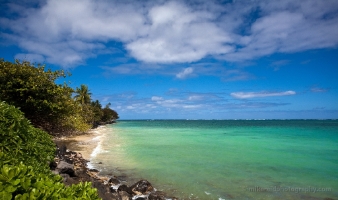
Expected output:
(142, 196)
(207, 193)
(115, 187)
(96, 151)
(220, 198)
(90, 166)
(97, 138)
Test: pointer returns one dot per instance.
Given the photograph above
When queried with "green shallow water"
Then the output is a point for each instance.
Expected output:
(226, 159)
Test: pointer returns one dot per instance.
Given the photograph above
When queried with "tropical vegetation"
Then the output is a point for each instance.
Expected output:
(25, 153)
(55, 108)
(33, 107)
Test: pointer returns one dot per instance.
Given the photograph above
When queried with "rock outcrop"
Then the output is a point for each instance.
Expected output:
(72, 167)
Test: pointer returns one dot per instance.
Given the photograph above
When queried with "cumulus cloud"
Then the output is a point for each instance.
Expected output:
(248, 95)
(185, 73)
(67, 33)
(288, 26)
(178, 33)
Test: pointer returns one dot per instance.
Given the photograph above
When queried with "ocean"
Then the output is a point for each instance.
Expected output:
(224, 159)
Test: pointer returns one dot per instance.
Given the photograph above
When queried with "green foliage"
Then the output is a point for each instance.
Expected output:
(97, 110)
(21, 141)
(82, 95)
(109, 114)
(33, 89)
(48, 105)
(25, 153)
(22, 182)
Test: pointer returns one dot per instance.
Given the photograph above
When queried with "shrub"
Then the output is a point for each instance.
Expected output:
(33, 89)
(25, 153)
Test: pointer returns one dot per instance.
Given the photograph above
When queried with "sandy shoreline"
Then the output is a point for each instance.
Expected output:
(84, 144)
(88, 145)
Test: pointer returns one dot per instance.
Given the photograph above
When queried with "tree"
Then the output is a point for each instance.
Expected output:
(97, 110)
(33, 89)
(109, 114)
(83, 95)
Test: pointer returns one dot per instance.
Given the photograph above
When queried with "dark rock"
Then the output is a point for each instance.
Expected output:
(52, 165)
(142, 187)
(114, 181)
(99, 163)
(112, 190)
(158, 195)
(93, 170)
(125, 188)
(141, 198)
(78, 155)
(66, 168)
(65, 176)
(124, 195)
(67, 180)
(62, 150)
(103, 190)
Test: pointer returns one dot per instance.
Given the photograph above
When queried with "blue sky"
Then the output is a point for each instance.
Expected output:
(192, 59)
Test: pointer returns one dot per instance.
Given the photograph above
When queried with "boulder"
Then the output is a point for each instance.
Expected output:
(78, 155)
(125, 188)
(66, 168)
(93, 170)
(124, 195)
(52, 165)
(142, 187)
(114, 181)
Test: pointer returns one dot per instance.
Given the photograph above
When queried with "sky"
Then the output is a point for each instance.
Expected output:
(187, 59)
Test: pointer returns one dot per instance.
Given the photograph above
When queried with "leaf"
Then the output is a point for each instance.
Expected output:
(16, 182)
(10, 189)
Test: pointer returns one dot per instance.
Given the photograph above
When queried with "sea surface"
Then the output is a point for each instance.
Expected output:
(224, 159)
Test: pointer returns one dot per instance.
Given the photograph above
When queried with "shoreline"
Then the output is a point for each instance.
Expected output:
(79, 149)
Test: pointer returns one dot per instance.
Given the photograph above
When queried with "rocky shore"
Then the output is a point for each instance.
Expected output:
(72, 167)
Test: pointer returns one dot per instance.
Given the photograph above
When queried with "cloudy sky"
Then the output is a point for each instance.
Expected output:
(192, 59)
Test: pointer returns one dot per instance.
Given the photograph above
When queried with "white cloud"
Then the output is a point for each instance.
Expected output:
(185, 73)
(156, 98)
(248, 95)
(288, 26)
(195, 97)
(67, 33)
(318, 89)
(177, 33)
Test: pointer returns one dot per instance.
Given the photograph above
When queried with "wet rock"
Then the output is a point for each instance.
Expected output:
(78, 155)
(142, 187)
(125, 189)
(65, 177)
(140, 197)
(93, 170)
(114, 181)
(124, 195)
(52, 165)
(66, 168)
(62, 150)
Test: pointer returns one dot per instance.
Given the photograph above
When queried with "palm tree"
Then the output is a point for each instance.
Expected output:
(83, 95)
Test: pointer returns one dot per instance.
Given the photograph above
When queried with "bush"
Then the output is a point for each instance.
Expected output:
(21, 141)
(25, 153)
(22, 182)
(33, 89)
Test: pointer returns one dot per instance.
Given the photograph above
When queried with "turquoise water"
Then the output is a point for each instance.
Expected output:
(226, 159)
